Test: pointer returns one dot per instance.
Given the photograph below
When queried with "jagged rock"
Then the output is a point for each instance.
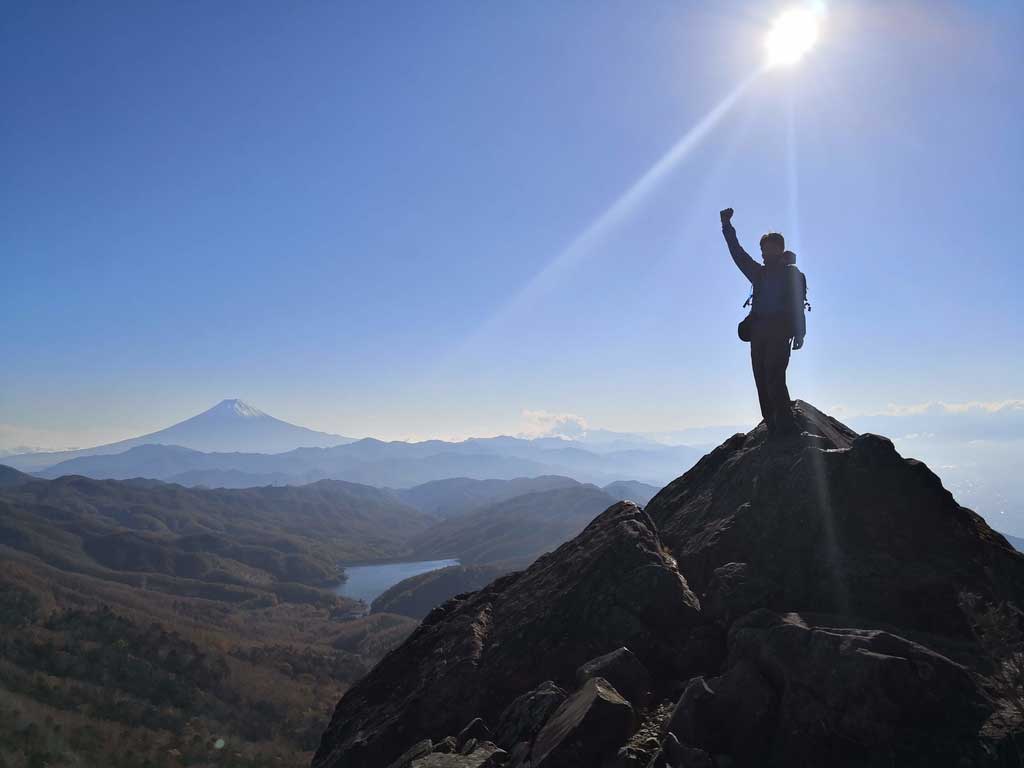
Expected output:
(866, 547)
(485, 754)
(613, 585)
(467, 746)
(623, 670)
(419, 749)
(526, 715)
(592, 722)
(447, 745)
(850, 528)
(475, 729)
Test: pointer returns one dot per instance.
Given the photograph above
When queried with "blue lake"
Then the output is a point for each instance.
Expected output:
(365, 582)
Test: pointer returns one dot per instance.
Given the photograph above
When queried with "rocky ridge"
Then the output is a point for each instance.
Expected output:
(815, 601)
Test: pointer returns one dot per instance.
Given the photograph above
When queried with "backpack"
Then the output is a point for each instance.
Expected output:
(796, 300)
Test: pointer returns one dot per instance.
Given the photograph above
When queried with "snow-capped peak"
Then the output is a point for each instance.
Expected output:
(239, 408)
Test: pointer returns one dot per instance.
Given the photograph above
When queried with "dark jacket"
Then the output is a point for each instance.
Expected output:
(779, 289)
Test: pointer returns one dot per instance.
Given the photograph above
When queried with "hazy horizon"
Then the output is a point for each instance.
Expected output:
(568, 426)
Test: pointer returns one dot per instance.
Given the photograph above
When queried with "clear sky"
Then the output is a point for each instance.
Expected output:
(360, 217)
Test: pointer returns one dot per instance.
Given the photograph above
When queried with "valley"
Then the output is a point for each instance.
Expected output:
(144, 622)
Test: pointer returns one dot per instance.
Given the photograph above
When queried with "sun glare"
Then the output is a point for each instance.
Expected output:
(792, 35)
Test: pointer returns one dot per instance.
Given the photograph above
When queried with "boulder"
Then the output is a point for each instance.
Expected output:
(590, 724)
(526, 715)
(732, 714)
(486, 754)
(623, 670)
(447, 745)
(798, 694)
(475, 729)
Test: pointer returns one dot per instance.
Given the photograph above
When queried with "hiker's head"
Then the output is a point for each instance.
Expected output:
(773, 245)
(789, 258)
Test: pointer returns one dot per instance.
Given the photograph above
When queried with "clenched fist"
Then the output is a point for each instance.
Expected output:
(726, 215)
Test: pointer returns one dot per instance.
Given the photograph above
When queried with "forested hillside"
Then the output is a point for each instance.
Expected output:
(144, 624)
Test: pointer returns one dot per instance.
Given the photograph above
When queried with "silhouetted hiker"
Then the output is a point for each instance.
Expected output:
(775, 323)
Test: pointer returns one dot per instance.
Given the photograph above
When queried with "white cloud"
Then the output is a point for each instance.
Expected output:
(937, 406)
(548, 424)
(16, 439)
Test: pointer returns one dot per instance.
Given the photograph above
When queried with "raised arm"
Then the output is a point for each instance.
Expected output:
(750, 268)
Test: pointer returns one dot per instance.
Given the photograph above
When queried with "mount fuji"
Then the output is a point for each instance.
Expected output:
(229, 426)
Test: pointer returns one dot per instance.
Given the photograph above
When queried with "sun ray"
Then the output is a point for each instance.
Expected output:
(792, 179)
(614, 215)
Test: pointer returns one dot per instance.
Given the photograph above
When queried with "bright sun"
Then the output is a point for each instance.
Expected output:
(792, 35)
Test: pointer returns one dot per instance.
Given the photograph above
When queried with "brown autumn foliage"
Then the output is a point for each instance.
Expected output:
(142, 628)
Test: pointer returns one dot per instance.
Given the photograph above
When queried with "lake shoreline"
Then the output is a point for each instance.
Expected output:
(368, 582)
(389, 561)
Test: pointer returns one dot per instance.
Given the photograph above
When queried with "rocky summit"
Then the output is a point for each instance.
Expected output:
(810, 601)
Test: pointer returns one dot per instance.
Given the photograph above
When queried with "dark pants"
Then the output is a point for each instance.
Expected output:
(769, 357)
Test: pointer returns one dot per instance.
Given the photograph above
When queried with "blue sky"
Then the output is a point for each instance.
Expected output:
(338, 211)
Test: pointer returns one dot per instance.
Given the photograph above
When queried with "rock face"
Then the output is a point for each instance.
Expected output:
(797, 602)
(613, 585)
(841, 525)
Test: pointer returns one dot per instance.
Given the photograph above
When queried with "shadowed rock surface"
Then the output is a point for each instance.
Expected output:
(588, 723)
(797, 602)
(841, 524)
(612, 585)
(418, 595)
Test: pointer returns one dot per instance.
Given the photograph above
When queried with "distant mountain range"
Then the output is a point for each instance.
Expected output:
(373, 462)
(519, 528)
(234, 445)
(231, 425)
(458, 495)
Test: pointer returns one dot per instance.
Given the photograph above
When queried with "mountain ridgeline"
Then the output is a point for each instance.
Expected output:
(383, 464)
(813, 601)
(234, 445)
(231, 425)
